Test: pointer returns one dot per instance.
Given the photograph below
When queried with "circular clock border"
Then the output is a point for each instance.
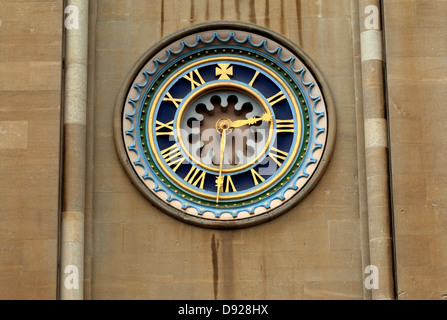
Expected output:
(225, 224)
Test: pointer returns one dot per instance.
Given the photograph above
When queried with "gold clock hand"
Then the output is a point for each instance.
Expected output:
(240, 123)
(266, 117)
(220, 179)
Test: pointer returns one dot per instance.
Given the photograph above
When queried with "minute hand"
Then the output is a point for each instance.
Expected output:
(219, 180)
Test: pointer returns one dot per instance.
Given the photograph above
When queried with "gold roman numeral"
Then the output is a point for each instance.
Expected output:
(196, 176)
(278, 155)
(230, 185)
(285, 126)
(257, 178)
(173, 157)
(276, 98)
(194, 83)
(254, 79)
(175, 101)
(160, 125)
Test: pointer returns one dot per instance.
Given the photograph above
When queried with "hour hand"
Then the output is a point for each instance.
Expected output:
(266, 117)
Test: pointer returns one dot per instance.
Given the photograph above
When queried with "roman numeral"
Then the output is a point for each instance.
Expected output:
(257, 178)
(285, 126)
(278, 155)
(254, 79)
(175, 101)
(196, 176)
(276, 98)
(229, 185)
(160, 125)
(194, 83)
(173, 157)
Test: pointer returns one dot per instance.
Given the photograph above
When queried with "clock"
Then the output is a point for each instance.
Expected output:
(224, 125)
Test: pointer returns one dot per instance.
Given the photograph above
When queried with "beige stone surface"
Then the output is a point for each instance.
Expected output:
(417, 80)
(30, 78)
(14, 134)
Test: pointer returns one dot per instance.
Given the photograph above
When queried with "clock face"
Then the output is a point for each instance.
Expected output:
(224, 125)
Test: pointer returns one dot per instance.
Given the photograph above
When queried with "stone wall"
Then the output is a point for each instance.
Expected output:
(30, 118)
(416, 48)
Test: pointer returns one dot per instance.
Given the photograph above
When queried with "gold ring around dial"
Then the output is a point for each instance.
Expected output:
(180, 182)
